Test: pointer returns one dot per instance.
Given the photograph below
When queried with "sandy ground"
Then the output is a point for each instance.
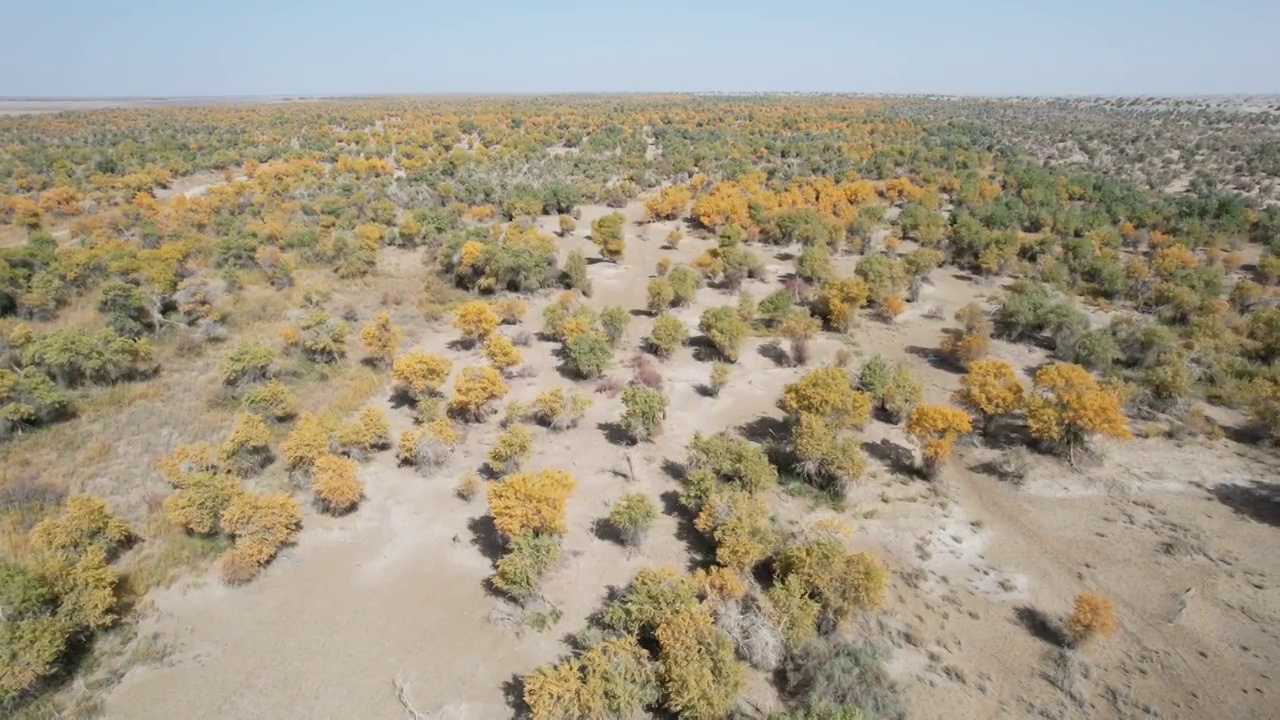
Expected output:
(396, 592)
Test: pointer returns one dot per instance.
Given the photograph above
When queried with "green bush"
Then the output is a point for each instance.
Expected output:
(588, 354)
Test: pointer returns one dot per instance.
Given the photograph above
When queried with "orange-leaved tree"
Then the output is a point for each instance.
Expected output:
(936, 428)
(991, 390)
(1067, 406)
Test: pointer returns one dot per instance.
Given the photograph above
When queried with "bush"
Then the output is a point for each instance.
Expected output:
(380, 339)
(740, 525)
(719, 378)
(509, 451)
(273, 399)
(660, 295)
(248, 363)
(668, 334)
(559, 410)
(520, 572)
(1067, 406)
(814, 264)
(81, 523)
(421, 373)
(991, 390)
(475, 391)
(308, 440)
(614, 321)
(758, 639)
(575, 273)
(700, 675)
(653, 595)
(588, 354)
(830, 677)
(501, 352)
(247, 448)
(475, 320)
(902, 393)
(200, 499)
(684, 285)
(825, 458)
(510, 309)
(632, 516)
(334, 482)
(261, 525)
(838, 580)
(368, 433)
(827, 393)
(1093, 616)
(28, 399)
(323, 337)
(530, 503)
(468, 487)
(716, 460)
(725, 329)
(607, 233)
(613, 679)
(428, 446)
(838, 301)
(644, 411)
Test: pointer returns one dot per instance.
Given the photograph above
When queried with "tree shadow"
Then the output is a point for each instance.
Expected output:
(898, 458)
(675, 470)
(615, 434)
(485, 537)
(640, 312)
(1259, 501)
(513, 695)
(595, 261)
(785, 256)
(765, 430)
(401, 397)
(935, 358)
(775, 353)
(1039, 624)
(604, 530)
(461, 344)
(703, 349)
(702, 551)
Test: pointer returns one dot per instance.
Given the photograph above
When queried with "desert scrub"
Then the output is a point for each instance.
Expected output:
(335, 485)
(668, 334)
(632, 516)
(559, 410)
(428, 446)
(364, 435)
(643, 411)
(509, 451)
(719, 378)
(272, 399)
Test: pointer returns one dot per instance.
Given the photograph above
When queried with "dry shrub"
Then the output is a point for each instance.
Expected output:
(430, 445)
(830, 675)
(1093, 616)
(236, 568)
(610, 387)
(645, 373)
(468, 487)
(261, 525)
(757, 638)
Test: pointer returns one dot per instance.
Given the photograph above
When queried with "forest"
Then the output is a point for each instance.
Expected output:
(223, 328)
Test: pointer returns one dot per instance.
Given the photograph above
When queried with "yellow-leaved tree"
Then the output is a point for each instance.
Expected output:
(990, 390)
(380, 339)
(530, 503)
(421, 373)
(475, 392)
(1067, 406)
(936, 428)
(475, 320)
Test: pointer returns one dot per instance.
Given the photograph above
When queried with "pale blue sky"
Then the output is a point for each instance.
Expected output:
(271, 47)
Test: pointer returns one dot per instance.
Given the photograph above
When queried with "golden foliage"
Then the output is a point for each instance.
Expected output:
(614, 679)
(839, 299)
(668, 204)
(741, 526)
(827, 393)
(187, 459)
(560, 410)
(381, 338)
(250, 436)
(510, 309)
(510, 450)
(200, 499)
(501, 352)
(475, 391)
(261, 525)
(308, 440)
(430, 444)
(475, 320)
(530, 503)
(839, 580)
(82, 522)
(422, 373)
(697, 665)
(1093, 616)
(990, 389)
(367, 433)
(1067, 405)
(936, 428)
(334, 482)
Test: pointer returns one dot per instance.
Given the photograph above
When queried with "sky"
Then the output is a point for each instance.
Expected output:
(143, 48)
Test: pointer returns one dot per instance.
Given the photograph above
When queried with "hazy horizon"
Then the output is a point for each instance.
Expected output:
(145, 49)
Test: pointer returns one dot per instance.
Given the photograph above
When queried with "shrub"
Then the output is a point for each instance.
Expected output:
(308, 440)
(716, 460)
(247, 449)
(653, 595)
(380, 339)
(719, 378)
(475, 320)
(607, 233)
(501, 352)
(632, 516)
(566, 224)
(644, 411)
(660, 295)
(334, 482)
(827, 393)
(838, 580)
(261, 525)
(510, 309)
(82, 522)
(1093, 616)
(368, 433)
(530, 503)
(836, 679)
(520, 572)
(684, 285)
(662, 267)
(838, 301)
(875, 376)
(825, 457)
(468, 487)
(936, 428)
(991, 390)
(740, 525)
(273, 399)
(668, 334)
(757, 639)
(421, 373)
(902, 393)
(199, 500)
(428, 446)
(613, 679)
(475, 392)
(799, 327)
(1067, 406)
(509, 451)
(814, 264)
(575, 272)
(725, 330)
(697, 666)
(588, 354)
(674, 237)
(559, 410)
(248, 363)
(614, 321)
(323, 337)
(793, 611)
(29, 398)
